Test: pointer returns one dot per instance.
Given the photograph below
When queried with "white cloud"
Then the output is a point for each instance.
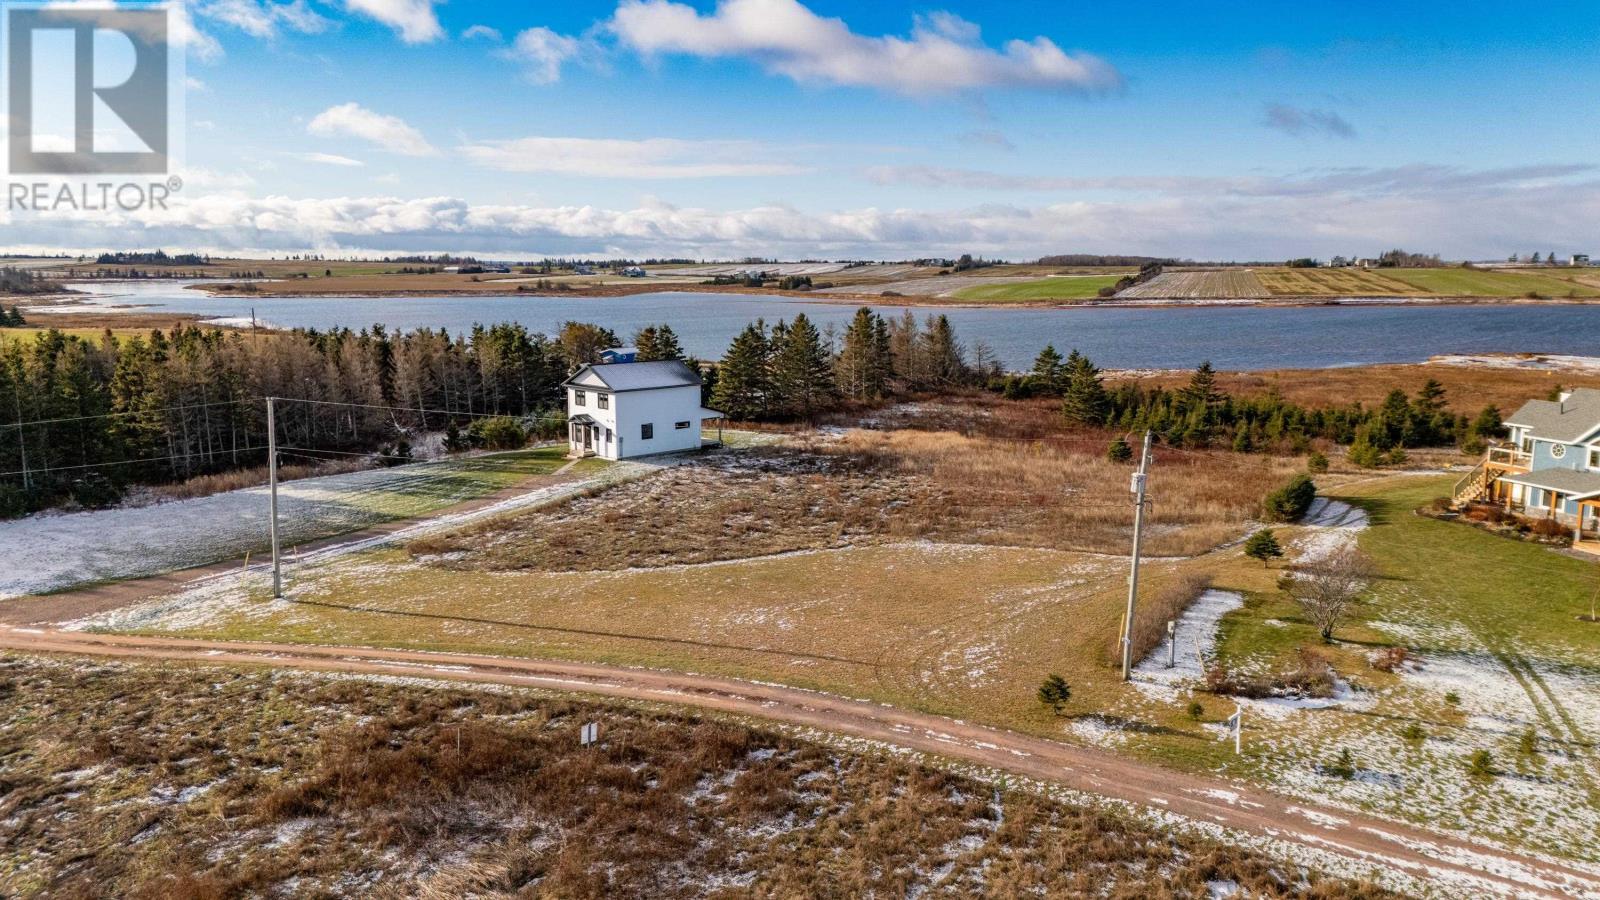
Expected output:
(181, 31)
(263, 18)
(483, 32)
(943, 53)
(1299, 121)
(328, 159)
(649, 158)
(541, 53)
(1458, 213)
(414, 20)
(386, 132)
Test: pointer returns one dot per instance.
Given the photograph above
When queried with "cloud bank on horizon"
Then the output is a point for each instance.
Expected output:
(772, 128)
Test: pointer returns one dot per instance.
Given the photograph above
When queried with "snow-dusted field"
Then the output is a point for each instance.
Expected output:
(54, 552)
(1548, 801)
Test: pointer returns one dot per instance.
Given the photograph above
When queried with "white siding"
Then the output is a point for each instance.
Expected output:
(629, 411)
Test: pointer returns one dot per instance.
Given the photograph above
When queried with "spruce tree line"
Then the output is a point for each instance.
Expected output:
(794, 371)
(1200, 414)
(187, 402)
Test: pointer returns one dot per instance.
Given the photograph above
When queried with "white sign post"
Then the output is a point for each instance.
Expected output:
(1236, 725)
(589, 734)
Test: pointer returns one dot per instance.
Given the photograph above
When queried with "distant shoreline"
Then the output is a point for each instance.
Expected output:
(878, 299)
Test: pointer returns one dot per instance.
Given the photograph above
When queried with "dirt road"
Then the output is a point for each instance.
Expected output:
(1453, 865)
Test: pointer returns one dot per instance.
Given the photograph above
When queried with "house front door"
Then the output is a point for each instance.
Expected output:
(588, 439)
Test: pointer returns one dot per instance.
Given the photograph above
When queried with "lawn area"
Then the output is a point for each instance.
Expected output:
(1074, 287)
(1495, 650)
(1482, 283)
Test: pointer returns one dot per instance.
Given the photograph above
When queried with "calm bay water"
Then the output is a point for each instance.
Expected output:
(1233, 338)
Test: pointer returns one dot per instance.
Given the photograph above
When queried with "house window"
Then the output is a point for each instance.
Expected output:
(682, 425)
(604, 400)
(577, 398)
(1527, 445)
(647, 431)
(1594, 458)
(1558, 451)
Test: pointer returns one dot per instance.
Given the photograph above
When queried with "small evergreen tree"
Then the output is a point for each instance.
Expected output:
(1317, 463)
(1055, 693)
(1290, 502)
(1263, 545)
(1488, 425)
(1049, 373)
(1085, 401)
(1119, 451)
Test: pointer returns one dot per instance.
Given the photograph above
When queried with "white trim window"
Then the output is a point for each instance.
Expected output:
(682, 425)
(1594, 457)
(603, 400)
(1558, 451)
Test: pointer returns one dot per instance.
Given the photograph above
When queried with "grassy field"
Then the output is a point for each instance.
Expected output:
(1077, 287)
(244, 783)
(1484, 283)
(1342, 282)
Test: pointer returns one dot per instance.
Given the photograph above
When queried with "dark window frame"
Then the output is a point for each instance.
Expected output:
(647, 431)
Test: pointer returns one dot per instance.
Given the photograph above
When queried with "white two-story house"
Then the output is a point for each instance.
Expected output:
(1551, 465)
(620, 410)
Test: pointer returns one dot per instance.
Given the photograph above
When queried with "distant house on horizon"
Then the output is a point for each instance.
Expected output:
(1550, 467)
(627, 409)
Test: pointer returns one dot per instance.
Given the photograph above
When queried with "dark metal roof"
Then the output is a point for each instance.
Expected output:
(582, 419)
(637, 376)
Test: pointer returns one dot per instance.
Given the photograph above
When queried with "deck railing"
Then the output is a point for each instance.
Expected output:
(1508, 455)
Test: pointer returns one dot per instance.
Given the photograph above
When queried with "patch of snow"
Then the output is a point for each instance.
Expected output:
(1196, 637)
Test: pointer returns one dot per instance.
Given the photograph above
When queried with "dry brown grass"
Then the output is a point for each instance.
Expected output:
(206, 783)
(875, 486)
(1157, 607)
(1065, 494)
(1467, 389)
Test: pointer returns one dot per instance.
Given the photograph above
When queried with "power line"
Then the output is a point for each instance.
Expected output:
(132, 462)
(413, 409)
(113, 415)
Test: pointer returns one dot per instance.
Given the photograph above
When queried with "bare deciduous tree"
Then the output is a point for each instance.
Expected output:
(1327, 587)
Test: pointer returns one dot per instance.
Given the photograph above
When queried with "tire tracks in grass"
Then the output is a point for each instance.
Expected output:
(1550, 710)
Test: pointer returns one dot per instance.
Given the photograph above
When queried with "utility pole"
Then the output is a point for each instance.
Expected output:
(1139, 483)
(272, 482)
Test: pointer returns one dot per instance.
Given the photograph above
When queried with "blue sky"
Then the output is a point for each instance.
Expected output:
(885, 130)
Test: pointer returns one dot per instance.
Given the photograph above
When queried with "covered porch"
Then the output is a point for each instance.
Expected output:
(586, 437)
(1567, 496)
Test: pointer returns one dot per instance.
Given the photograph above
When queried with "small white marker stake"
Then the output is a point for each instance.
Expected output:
(589, 734)
(1236, 723)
